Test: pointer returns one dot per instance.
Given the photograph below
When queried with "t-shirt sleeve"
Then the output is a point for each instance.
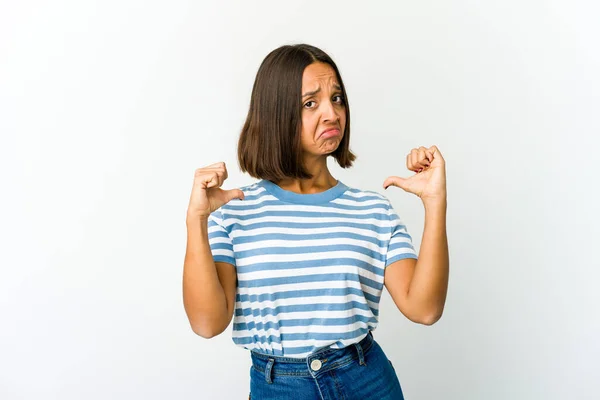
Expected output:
(220, 242)
(400, 245)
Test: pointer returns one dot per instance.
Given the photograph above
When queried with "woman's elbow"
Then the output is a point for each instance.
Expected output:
(202, 332)
(205, 329)
(429, 318)
(432, 318)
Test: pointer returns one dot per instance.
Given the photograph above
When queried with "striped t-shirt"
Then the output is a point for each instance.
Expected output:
(310, 267)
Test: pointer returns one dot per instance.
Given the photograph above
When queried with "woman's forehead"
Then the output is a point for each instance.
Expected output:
(317, 74)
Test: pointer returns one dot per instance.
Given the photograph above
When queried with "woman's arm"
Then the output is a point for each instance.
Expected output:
(208, 287)
(419, 287)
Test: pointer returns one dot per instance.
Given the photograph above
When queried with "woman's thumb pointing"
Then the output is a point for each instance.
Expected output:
(236, 194)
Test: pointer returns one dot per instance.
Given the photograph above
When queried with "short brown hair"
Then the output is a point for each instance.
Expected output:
(269, 146)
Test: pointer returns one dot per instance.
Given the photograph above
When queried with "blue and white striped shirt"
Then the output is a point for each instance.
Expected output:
(310, 267)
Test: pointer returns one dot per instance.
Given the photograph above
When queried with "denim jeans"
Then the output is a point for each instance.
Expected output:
(359, 371)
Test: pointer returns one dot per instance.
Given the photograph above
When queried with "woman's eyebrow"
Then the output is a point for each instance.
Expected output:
(336, 86)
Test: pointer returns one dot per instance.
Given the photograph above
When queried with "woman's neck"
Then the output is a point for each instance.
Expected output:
(317, 184)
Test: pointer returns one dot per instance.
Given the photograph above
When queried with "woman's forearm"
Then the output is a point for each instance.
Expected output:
(203, 295)
(429, 284)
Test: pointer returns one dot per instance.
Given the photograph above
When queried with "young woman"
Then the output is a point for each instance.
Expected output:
(299, 259)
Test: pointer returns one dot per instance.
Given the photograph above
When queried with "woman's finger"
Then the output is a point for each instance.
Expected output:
(423, 161)
(414, 159)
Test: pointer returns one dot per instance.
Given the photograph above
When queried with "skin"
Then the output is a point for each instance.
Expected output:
(322, 110)
(419, 287)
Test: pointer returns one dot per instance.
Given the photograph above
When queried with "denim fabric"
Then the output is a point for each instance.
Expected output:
(359, 371)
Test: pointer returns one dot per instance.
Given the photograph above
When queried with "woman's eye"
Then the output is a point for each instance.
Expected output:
(340, 101)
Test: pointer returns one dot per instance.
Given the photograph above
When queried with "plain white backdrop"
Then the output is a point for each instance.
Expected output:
(108, 107)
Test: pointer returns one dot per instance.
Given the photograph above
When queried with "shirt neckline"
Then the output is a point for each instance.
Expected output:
(308, 198)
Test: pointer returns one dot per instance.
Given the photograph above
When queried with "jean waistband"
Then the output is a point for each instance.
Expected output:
(318, 362)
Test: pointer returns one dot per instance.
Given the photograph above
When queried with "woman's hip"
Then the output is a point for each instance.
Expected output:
(358, 371)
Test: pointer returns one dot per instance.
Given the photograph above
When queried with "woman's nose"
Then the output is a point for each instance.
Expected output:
(329, 113)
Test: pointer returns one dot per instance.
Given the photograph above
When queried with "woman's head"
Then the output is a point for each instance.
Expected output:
(298, 93)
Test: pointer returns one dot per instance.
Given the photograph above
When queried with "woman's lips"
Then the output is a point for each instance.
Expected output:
(330, 133)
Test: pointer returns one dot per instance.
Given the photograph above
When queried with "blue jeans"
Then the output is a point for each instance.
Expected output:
(359, 371)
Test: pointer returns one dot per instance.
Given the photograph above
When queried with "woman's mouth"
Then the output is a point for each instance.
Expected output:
(330, 133)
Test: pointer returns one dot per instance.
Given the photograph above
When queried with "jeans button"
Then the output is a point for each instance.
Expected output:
(315, 365)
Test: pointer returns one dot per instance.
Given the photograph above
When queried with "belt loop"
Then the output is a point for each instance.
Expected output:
(361, 359)
(268, 370)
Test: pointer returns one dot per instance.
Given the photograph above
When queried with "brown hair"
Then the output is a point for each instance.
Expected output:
(269, 146)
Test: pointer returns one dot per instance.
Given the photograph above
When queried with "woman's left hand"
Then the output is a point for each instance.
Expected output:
(429, 182)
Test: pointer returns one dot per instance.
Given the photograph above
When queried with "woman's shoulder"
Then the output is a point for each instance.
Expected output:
(252, 193)
(366, 194)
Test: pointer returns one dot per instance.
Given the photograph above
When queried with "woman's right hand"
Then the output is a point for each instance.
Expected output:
(207, 196)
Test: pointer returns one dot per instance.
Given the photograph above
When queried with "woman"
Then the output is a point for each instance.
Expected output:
(299, 257)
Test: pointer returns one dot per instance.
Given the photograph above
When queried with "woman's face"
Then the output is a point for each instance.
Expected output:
(322, 109)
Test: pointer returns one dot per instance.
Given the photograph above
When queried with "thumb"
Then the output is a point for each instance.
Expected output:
(234, 194)
(395, 181)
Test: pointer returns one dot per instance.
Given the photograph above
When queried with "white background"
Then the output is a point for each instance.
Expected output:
(108, 107)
